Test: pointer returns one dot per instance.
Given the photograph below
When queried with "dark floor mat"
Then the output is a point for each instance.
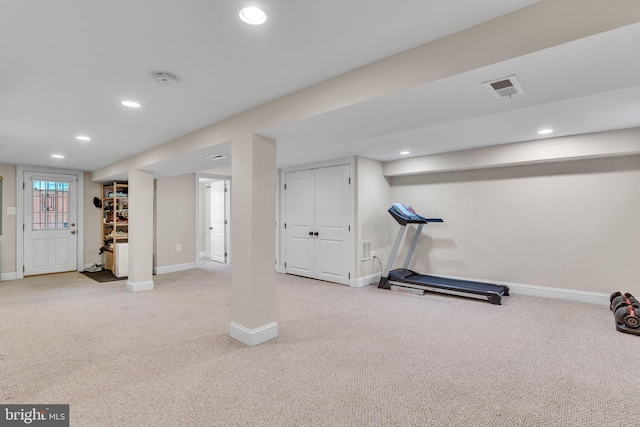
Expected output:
(102, 276)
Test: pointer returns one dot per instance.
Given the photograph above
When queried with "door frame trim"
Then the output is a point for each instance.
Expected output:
(20, 223)
(351, 162)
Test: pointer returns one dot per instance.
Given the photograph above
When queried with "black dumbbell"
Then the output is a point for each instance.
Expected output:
(627, 315)
(614, 295)
(631, 298)
(615, 299)
(621, 300)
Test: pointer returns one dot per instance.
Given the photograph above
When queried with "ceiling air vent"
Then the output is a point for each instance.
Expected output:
(215, 157)
(505, 87)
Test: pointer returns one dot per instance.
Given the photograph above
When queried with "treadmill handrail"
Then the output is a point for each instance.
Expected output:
(403, 215)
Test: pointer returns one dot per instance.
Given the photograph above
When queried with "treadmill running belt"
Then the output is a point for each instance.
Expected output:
(493, 292)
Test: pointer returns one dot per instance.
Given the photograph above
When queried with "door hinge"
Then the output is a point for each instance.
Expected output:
(23, 268)
(225, 189)
(285, 265)
(349, 180)
(285, 186)
(23, 186)
(225, 254)
(349, 276)
(225, 221)
(22, 227)
(285, 225)
(349, 228)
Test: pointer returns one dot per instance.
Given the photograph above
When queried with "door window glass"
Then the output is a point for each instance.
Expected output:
(50, 205)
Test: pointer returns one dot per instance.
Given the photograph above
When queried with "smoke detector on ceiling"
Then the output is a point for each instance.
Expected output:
(505, 87)
(165, 79)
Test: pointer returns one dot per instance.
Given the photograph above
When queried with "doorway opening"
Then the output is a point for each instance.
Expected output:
(214, 220)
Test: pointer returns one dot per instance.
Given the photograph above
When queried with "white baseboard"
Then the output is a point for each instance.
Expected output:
(140, 286)
(174, 268)
(547, 292)
(256, 336)
(202, 254)
(366, 280)
(558, 293)
(280, 269)
(8, 276)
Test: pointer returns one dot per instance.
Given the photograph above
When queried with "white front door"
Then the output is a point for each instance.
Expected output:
(317, 223)
(50, 223)
(218, 238)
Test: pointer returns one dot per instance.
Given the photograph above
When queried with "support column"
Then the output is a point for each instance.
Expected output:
(253, 163)
(140, 231)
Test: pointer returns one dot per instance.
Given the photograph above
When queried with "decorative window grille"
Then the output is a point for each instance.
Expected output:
(50, 205)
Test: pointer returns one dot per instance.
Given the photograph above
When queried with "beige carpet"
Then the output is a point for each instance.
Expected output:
(344, 357)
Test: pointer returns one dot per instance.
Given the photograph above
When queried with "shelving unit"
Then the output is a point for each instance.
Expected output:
(115, 221)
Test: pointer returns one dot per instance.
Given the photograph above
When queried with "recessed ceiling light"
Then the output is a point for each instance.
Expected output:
(131, 104)
(57, 156)
(545, 131)
(83, 138)
(252, 15)
(404, 153)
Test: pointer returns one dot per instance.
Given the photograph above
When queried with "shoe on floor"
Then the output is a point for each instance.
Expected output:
(94, 268)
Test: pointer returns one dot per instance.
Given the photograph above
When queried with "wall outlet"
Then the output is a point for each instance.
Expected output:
(11, 211)
(178, 248)
(373, 254)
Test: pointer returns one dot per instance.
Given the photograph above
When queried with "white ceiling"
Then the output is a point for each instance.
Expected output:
(66, 65)
(589, 85)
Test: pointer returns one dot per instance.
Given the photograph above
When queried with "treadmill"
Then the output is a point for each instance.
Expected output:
(405, 278)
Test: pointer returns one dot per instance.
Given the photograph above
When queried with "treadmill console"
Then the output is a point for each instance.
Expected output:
(406, 215)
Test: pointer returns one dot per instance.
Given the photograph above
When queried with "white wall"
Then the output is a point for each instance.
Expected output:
(175, 222)
(92, 222)
(373, 198)
(571, 225)
(8, 237)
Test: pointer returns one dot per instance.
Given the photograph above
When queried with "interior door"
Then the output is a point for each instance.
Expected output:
(218, 238)
(299, 239)
(332, 214)
(317, 223)
(50, 231)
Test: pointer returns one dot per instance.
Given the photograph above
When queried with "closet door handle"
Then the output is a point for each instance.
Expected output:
(315, 234)
(311, 233)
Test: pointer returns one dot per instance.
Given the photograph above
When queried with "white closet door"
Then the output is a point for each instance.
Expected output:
(299, 205)
(318, 211)
(332, 224)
